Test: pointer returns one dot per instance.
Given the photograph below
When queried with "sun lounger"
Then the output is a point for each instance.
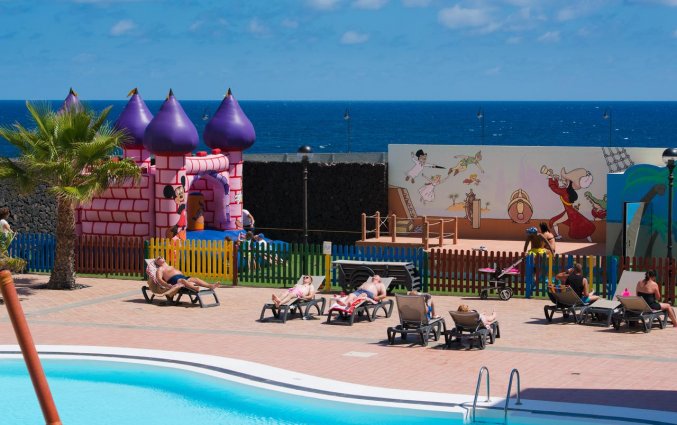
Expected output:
(476, 331)
(303, 307)
(156, 288)
(567, 302)
(361, 307)
(603, 310)
(414, 319)
(634, 310)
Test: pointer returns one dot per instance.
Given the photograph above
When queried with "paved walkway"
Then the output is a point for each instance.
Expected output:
(557, 362)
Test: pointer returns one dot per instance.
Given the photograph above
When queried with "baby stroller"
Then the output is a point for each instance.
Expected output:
(499, 280)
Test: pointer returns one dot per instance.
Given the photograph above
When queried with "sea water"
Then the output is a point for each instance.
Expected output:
(283, 126)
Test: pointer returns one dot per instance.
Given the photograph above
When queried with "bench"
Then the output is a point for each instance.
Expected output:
(352, 273)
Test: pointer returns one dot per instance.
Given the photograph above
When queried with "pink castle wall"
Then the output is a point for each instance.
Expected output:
(142, 210)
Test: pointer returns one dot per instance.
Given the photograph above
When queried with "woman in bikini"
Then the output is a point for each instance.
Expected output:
(548, 236)
(304, 290)
(648, 289)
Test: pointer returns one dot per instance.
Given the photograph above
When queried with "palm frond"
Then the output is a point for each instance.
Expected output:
(38, 117)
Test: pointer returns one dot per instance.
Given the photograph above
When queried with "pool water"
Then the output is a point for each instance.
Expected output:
(99, 392)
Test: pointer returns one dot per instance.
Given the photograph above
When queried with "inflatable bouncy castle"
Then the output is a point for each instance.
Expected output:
(180, 190)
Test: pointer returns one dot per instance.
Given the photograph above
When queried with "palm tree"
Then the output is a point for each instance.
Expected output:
(69, 153)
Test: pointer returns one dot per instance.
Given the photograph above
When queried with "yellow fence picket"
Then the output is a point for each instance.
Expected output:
(212, 260)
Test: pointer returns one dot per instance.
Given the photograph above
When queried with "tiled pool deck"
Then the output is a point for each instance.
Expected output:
(557, 362)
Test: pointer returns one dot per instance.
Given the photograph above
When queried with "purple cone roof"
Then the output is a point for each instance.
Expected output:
(71, 101)
(134, 119)
(229, 129)
(171, 131)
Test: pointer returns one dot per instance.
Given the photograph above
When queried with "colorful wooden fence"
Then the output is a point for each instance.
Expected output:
(280, 264)
(446, 271)
(212, 260)
(36, 248)
(457, 271)
(109, 255)
(383, 253)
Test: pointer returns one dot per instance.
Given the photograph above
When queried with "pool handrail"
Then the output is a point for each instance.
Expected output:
(507, 397)
(477, 390)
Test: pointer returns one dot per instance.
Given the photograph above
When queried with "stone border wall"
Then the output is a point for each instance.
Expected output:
(338, 194)
(34, 213)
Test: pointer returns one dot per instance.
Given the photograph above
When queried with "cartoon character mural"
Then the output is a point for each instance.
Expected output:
(472, 179)
(178, 194)
(427, 191)
(466, 160)
(419, 159)
(598, 206)
(520, 209)
(565, 185)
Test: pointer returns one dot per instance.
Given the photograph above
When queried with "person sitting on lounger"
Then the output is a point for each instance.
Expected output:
(169, 275)
(373, 290)
(304, 290)
(428, 301)
(573, 277)
(648, 289)
(487, 319)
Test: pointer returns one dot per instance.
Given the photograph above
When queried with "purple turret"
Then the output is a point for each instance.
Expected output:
(229, 129)
(134, 119)
(71, 101)
(171, 132)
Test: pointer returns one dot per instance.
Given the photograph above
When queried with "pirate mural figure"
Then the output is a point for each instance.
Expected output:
(565, 185)
(419, 159)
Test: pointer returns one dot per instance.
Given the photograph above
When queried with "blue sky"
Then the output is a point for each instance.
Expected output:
(341, 49)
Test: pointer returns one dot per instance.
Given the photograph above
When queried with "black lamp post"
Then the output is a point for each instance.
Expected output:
(480, 116)
(608, 116)
(669, 156)
(305, 152)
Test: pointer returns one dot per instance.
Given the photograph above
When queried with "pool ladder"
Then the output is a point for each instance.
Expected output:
(507, 397)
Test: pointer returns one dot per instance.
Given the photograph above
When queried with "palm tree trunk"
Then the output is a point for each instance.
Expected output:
(63, 272)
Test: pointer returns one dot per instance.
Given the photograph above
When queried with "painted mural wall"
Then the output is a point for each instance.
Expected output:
(498, 191)
(642, 184)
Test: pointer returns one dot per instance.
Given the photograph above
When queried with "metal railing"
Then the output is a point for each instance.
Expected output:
(507, 396)
(477, 390)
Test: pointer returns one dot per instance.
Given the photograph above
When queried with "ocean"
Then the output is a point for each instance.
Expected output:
(283, 126)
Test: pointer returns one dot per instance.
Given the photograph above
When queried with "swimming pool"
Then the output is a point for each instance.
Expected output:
(108, 385)
(97, 392)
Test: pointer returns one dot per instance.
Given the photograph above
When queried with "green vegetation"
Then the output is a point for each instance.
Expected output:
(69, 153)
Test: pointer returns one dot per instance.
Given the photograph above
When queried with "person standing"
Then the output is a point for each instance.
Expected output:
(247, 221)
(4, 225)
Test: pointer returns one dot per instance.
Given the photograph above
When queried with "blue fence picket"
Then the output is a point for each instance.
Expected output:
(36, 248)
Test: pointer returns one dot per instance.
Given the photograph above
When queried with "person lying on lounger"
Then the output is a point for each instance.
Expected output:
(169, 275)
(487, 319)
(372, 289)
(304, 290)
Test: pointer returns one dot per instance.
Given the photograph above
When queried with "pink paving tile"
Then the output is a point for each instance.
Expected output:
(558, 361)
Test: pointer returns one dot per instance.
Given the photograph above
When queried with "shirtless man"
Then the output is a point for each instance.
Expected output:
(539, 243)
(373, 289)
(169, 275)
